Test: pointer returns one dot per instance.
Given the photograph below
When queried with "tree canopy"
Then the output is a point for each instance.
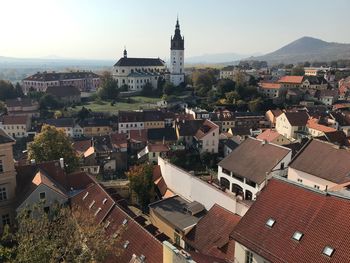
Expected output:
(141, 182)
(52, 144)
(7, 90)
(58, 236)
(109, 88)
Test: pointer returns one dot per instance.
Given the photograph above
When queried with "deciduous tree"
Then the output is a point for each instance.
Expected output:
(52, 144)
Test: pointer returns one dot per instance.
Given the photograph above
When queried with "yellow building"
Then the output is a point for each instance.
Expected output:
(7, 179)
(96, 127)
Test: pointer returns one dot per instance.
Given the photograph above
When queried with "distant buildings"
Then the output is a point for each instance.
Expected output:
(84, 81)
(22, 107)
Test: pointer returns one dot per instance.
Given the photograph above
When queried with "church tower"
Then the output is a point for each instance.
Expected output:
(177, 73)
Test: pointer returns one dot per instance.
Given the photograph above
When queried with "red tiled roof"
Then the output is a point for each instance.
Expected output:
(81, 146)
(141, 242)
(157, 173)
(324, 220)
(158, 148)
(211, 234)
(119, 140)
(291, 79)
(269, 85)
(206, 128)
(8, 120)
(312, 123)
(268, 135)
(138, 135)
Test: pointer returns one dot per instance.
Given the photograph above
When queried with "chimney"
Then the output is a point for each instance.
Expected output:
(62, 163)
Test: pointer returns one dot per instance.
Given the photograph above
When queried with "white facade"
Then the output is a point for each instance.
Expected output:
(126, 127)
(309, 179)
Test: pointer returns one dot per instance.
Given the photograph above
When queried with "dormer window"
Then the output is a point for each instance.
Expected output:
(270, 222)
(328, 251)
(297, 235)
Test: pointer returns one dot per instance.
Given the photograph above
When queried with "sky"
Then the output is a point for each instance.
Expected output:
(99, 29)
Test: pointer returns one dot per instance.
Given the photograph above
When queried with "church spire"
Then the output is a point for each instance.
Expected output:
(177, 22)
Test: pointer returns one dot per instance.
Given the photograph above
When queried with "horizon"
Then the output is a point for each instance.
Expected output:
(99, 30)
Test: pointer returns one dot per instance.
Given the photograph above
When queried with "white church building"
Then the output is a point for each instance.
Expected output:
(134, 73)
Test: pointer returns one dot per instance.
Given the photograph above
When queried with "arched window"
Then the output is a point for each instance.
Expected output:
(224, 183)
(248, 195)
(238, 190)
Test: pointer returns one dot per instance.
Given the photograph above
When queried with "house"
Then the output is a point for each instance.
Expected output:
(252, 120)
(64, 124)
(175, 217)
(294, 223)
(271, 116)
(341, 121)
(161, 135)
(272, 136)
(137, 139)
(16, 126)
(207, 138)
(223, 118)
(321, 165)
(153, 119)
(198, 113)
(314, 82)
(211, 235)
(152, 151)
(328, 96)
(246, 170)
(315, 129)
(41, 81)
(229, 146)
(271, 89)
(96, 127)
(66, 94)
(335, 137)
(239, 134)
(292, 125)
(22, 107)
(289, 82)
(106, 155)
(136, 239)
(8, 182)
(130, 120)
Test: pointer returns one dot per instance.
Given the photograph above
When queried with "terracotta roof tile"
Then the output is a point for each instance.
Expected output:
(291, 79)
(211, 234)
(268, 135)
(323, 220)
(269, 85)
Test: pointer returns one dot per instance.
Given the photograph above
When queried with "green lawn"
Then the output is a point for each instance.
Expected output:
(137, 103)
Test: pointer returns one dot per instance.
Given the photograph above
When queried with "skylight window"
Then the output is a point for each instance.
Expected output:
(328, 251)
(104, 201)
(297, 235)
(125, 222)
(126, 244)
(87, 193)
(98, 210)
(92, 204)
(270, 222)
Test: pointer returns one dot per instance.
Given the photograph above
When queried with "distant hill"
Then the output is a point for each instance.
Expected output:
(307, 49)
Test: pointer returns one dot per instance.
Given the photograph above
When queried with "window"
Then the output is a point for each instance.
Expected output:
(225, 171)
(5, 219)
(251, 183)
(297, 235)
(317, 187)
(42, 195)
(300, 180)
(1, 167)
(328, 251)
(270, 222)
(3, 194)
(248, 256)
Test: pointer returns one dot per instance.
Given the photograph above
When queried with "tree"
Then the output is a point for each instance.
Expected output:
(109, 88)
(61, 236)
(52, 144)
(141, 182)
(224, 85)
(298, 71)
(168, 88)
(232, 97)
(255, 105)
(3, 108)
(48, 101)
(7, 91)
(18, 90)
(83, 114)
(147, 89)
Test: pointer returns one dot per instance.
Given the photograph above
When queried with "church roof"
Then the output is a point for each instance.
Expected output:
(139, 62)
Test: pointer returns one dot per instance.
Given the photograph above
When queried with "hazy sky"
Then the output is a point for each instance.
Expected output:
(99, 29)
